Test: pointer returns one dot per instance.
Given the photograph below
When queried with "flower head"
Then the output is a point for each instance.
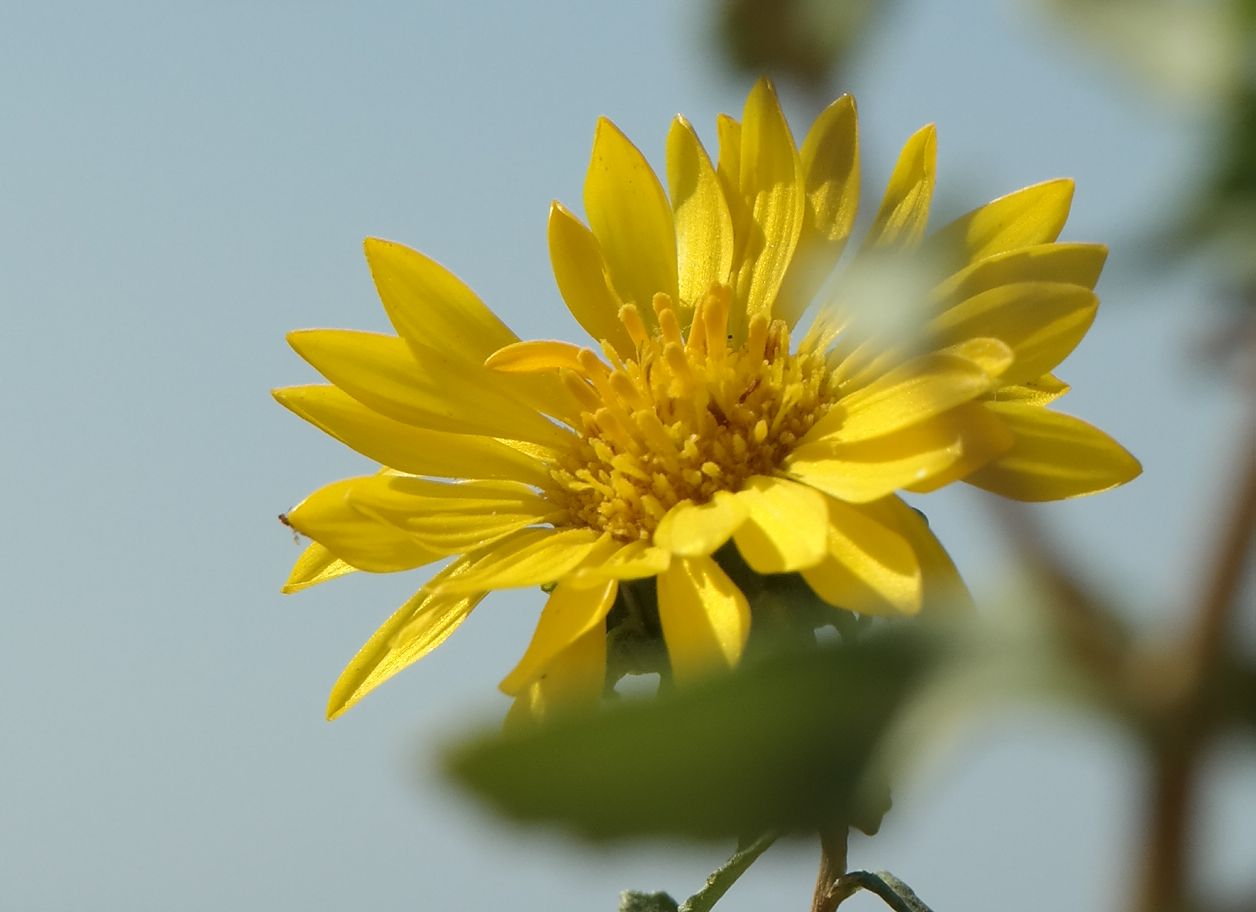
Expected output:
(701, 412)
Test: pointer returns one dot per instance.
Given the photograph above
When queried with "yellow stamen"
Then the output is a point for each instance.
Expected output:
(631, 318)
(687, 417)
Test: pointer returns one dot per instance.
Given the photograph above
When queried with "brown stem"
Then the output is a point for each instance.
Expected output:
(1185, 722)
(832, 866)
(1231, 557)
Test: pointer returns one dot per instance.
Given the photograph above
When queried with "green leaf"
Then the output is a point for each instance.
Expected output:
(783, 744)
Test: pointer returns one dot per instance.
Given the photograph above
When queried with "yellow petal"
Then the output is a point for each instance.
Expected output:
(355, 538)
(786, 525)
(1041, 322)
(634, 560)
(1069, 264)
(445, 324)
(531, 557)
(380, 372)
(983, 437)
(1034, 215)
(770, 183)
(584, 280)
(570, 613)
(573, 682)
(631, 218)
(452, 518)
(1042, 391)
(705, 618)
(1054, 457)
(526, 710)
(830, 175)
(704, 227)
(870, 567)
(830, 163)
(917, 391)
(904, 211)
(872, 469)
(315, 565)
(728, 167)
(431, 308)
(418, 627)
(944, 592)
(407, 448)
(536, 355)
(690, 529)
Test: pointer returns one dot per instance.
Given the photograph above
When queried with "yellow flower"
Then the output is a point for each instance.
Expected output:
(693, 419)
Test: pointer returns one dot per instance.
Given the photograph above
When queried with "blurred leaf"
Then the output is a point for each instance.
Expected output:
(1225, 215)
(1186, 48)
(803, 40)
(1198, 53)
(783, 744)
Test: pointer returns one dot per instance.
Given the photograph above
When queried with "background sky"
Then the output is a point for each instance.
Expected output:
(183, 183)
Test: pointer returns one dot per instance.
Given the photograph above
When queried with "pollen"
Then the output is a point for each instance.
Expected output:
(685, 418)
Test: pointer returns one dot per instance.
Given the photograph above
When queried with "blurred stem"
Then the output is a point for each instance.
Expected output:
(833, 847)
(1188, 716)
(1222, 584)
(1093, 633)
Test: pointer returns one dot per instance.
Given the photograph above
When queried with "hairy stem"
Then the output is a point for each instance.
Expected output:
(833, 847)
(724, 877)
(892, 891)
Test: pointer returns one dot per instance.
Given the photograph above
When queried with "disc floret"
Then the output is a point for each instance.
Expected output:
(687, 416)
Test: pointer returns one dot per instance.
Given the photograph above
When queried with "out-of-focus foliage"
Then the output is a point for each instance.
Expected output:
(1188, 50)
(782, 744)
(805, 41)
(1200, 53)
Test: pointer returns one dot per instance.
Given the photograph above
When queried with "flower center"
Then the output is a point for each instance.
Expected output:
(687, 417)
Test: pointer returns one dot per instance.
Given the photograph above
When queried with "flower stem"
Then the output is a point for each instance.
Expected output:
(726, 875)
(833, 848)
(892, 891)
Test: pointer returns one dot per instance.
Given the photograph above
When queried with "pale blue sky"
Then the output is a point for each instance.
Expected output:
(182, 183)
